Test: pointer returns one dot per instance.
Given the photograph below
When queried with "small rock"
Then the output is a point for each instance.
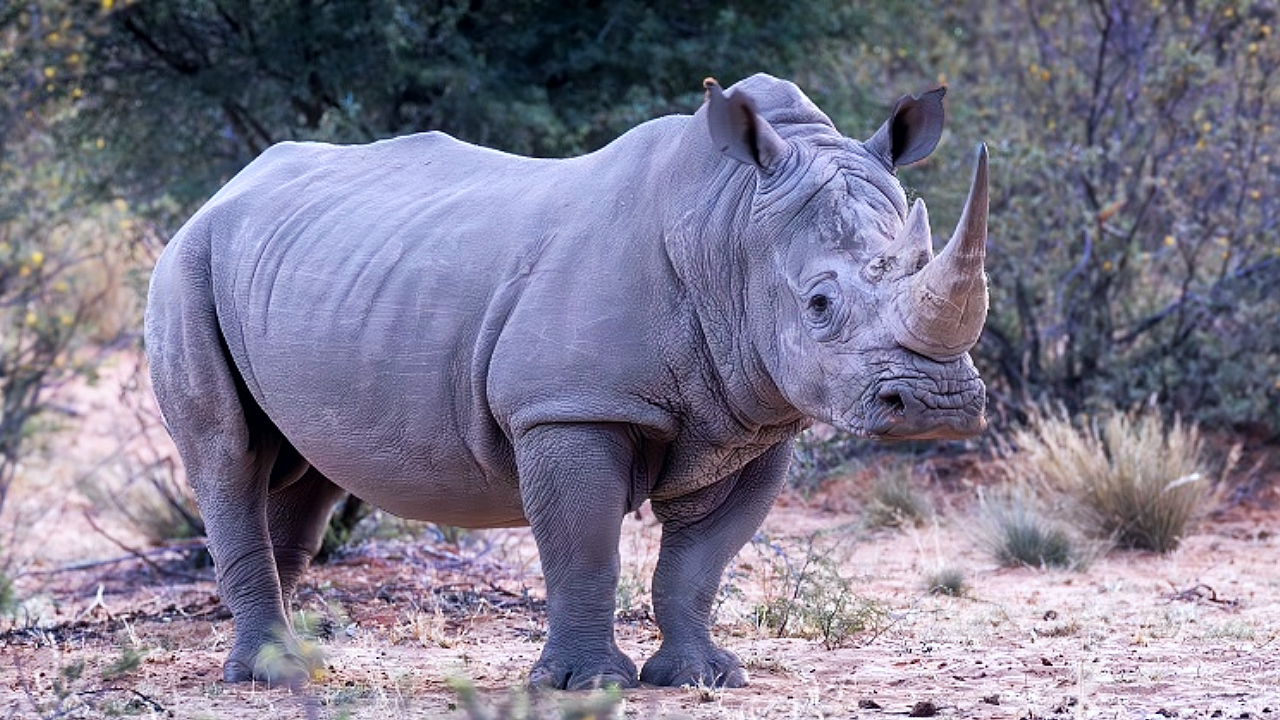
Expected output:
(991, 699)
(924, 708)
(869, 704)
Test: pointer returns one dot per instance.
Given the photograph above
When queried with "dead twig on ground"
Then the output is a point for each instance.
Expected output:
(139, 555)
(1199, 593)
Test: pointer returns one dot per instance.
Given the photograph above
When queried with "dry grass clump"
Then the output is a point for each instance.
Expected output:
(949, 581)
(1017, 532)
(1129, 479)
(894, 500)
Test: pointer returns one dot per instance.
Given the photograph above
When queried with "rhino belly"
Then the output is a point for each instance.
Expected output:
(422, 473)
(396, 418)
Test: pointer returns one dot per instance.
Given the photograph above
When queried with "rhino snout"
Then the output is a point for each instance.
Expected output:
(902, 412)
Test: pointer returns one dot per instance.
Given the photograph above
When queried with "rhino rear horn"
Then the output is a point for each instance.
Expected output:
(738, 130)
(943, 307)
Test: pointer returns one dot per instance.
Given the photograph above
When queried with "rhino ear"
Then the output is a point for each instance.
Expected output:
(912, 130)
(738, 130)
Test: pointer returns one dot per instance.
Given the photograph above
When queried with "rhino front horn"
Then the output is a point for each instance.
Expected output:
(941, 310)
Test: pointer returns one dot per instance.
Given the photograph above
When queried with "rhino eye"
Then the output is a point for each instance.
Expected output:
(822, 307)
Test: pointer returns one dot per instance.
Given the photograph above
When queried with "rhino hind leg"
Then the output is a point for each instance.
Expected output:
(229, 457)
(700, 535)
(230, 448)
(297, 516)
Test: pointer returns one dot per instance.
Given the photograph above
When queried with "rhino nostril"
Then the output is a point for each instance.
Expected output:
(893, 400)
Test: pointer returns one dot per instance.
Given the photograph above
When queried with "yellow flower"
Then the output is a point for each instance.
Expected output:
(1255, 194)
(24, 271)
(32, 317)
(50, 72)
(5, 247)
(101, 143)
(37, 258)
(106, 5)
(66, 318)
(1170, 241)
(77, 93)
(1106, 266)
(1206, 127)
(120, 204)
(61, 286)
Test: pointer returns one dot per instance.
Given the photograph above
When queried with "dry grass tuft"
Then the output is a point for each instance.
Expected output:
(949, 581)
(1018, 533)
(1129, 479)
(894, 500)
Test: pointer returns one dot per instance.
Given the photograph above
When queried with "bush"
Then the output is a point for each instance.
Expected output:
(812, 599)
(1128, 479)
(1133, 246)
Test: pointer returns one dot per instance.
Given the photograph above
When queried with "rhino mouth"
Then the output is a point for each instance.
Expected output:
(924, 409)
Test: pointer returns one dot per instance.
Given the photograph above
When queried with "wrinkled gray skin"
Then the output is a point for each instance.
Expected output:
(467, 337)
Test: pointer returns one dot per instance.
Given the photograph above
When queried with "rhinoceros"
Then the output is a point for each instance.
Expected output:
(464, 336)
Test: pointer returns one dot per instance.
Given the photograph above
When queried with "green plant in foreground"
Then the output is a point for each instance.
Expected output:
(8, 597)
(130, 660)
(294, 658)
(1128, 479)
(520, 704)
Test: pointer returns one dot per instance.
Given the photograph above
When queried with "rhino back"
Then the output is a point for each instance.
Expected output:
(400, 310)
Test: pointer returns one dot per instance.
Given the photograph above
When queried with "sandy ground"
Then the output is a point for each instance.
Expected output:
(402, 614)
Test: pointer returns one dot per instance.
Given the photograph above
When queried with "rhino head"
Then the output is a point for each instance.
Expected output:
(864, 327)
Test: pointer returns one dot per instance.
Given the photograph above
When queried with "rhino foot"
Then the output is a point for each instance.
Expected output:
(569, 671)
(709, 666)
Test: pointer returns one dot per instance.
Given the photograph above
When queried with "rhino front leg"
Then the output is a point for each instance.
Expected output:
(574, 482)
(700, 535)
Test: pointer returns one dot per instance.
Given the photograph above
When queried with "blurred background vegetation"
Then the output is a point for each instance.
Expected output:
(1134, 249)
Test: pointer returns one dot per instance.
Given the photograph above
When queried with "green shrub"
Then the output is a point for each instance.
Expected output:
(521, 704)
(810, 598)
(1134, 161)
